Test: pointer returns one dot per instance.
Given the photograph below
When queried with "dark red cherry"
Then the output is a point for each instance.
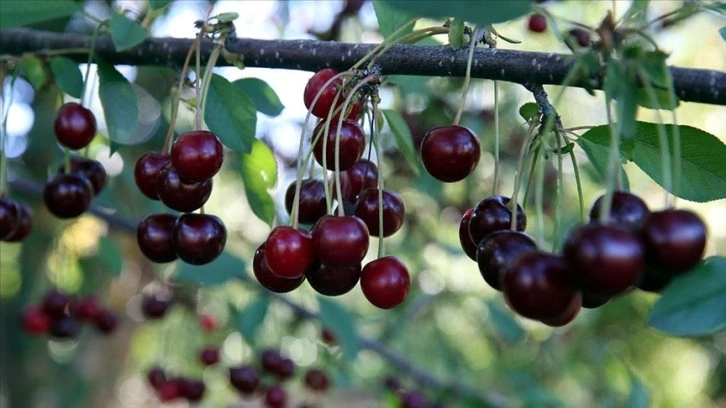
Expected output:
(573, 309)
(23, 226)
(536, 285)
(91, 169)
(413, 399)
(87, 308)
(67, 195)
(467, 244)
(497, 250)
(9, 217)
(289, 252)
(312, 204)
(244, 379)
(352, 143)
(581, 36)
(333, 280)
(146, 173)
(493, 214)
(654, 279)
(674, 239)
(154, 237)
(106, 322)
(285, 369)
(592, 300)
(385, 282)
(198, 239)
(65, 327)
(197, 156)
(340, 241)
(153, 307)
(268, 279)
(178, 195)
(275, 397)
(316, 380)
(626, 209)
(156, 376)
(450, 153)
(192, 389)
(75, 126)
(607, 259)
(537, 23)
(324, 103)
(169, 390)
(363, 175)
(271, 360)
(35, 320)
(393, 211)
(55, 303)
(209, 356)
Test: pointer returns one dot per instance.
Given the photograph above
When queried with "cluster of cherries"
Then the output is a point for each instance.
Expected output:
(537, 23)
(60, 315)
(329, 256)
(633, 248)
(170, 387)
(16, 220)
(182, 180)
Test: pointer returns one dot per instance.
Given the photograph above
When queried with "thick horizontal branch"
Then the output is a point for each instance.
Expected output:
(694, 85)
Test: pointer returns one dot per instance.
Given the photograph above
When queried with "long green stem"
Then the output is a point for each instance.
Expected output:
(467, 77)
(496, 137)
(380, 46)
(379, 160)
(208, 71)
(578, 181)
(560, 187)
(175, 103)
(88, 63)
(518, 175)
(665, 156)
(197, 80)
(613, 165)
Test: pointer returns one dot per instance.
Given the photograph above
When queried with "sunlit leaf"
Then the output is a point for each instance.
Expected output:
(621, 86)
(15, 13)
(157, 4)
(261, 94)
(529, 110)
(342, 323)
(227, 17)
(230, 114)
(219, 271)
(259, 173)
(120, 106)
(403, 137)
(251, 317)
(636, 13)
(34, 72)
(456, 34)
(472, 11)
(597, 148)
(67, 75)
(126, 33)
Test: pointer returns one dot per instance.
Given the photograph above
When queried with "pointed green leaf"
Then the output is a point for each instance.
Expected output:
(403, 137)
(34, 72)
(662, 99)
(620, 85)
(390, 20)
(67, 75)
(252, 317)
(217, 272)
(227, 17)
(529, 110)
(597, 148)
(342, 323)
(637, 13)
(472, 11)
(120, 107)
(157, 4)
(126, 33)
(639, 396)
(722, 31)
(259, 174)
(230, 114)
(15, 13)
(261, 94)
(456, 34)
(693, 304)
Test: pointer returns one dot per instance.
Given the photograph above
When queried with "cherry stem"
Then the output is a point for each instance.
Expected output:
(382, 45)
(197, 79)
(518, 175)
(560, 188)
(208, 71)
(496, 137)
(578, 181)
(467, 76)
(379, 160)
(539, 199)
(410, 38)
(175, 104)
(613, 175)
(676, 137)
(91, 51)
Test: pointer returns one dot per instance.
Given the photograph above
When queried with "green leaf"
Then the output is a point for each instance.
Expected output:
(126, 33)
(662, 99)
(637, 13)
(403, 137)
(110, 255)
(261, 94)
(157, 4)
(693, 304)
(342, 323)
(390, 20)
(217, 272)
(227, 17)
(564, 149)
(639, 396)
(529, 110)
(456, 34)
(505, 325)
(230, 114)
(259, 174)
(120, 107)
(722, 31)
(472, 11)
(252, 317)
(620, 85)
(653, 64)
(34, 72)
(67, 75)
(15, 13)
(597, 148)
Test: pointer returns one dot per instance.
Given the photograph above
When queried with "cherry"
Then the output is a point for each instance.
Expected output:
(394, 211)
(316, 380)
(654, 280)
(674, 239)
(323, 106)
(198, 239)
(363, 175)
(75, 126)
(450, 153)
(65, 327)
(8, 217)
(392, 384)
(191, 389)
(626, 209)
(106, 322)
(156, 377)
(333, 280)
(285, 369)
(55, 303)
(493, 214)
(385, 282)
(536, 286)
(169, 390)
(537, 23)
(328, 337)
(312, 204)
(67, 195)
(497, 250)
(153, 307)
(271, 361)
(35, 320)
(87, 308)
(581, 36)
(413, 399)
(340, 241)
(244, 379)
(146, 173)
(270, 280)
(197, 156)
(289, 252)
(275, 397)
(573, 309)
(207, 322)
(467, 244)
(90, 169)
(154, 237)
(209, 356)
(178, 195)
(352, 143)
(592, 300)
(24, 224)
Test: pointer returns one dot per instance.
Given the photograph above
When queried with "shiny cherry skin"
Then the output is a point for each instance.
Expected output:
(363, 175)
(493, 214)
(55, 303)
(537, 23)
(209, 356)
(385, 282)
(197, 155)
(655, 279)
(244, 378)
(91, 169)
(192, 389)
(67, 195)
(312, 205)
(289, 252)
(340, 241)
(333, 280)
(626, 209)
(592, 300)
(276, 397)
(316, 380)
(146, 173)
(35, 321)
(450, 153)
(24, 224)
(75, 126)
(268, 279)
(394, 211)
(9, 217)
(154, 237)
(87, 308)
(65, 327)
(178, 195)
(106, 322)
(352, 144)
(497, 250)
(573, 309)
(153, 307)
(156, 376)
(324, 105)
(198, 239)
(271, 360)
(581, 37)
(675, 240)
(465, 240)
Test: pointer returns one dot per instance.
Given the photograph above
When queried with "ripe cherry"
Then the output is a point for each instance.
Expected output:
(192, 389)
(24, 224)
(198, 239)
(146, 173)
(169, 390)
(209, 356)
(65, 327)
(497, 250)
(153, 307)
(674, 239)
(67, 195)
(626, 209)
(154, 237)
(333, 280)
(75, 126)
(244, 379)
(654, 279)
(537, 23)
(493, 214)
(393, 211)
(413, 399)
(271, 360)
(178, 195)
(573, 309)
(385, 282)
(87, 308)
(275, 397)
(363, 175)
(450, 153)
(285, 370)
(106, 322)
(324, 105)
(268, 279)
(90, 169)
(289, 252)
(352, 143)
(156, 376)
(465, 240)
(207, 322)
(197, 156)
(581, 36)
(55, 303)
(316, 380)
(312, 204)
(340, 241)
(8, 217)
(35, 320)
(592, 300)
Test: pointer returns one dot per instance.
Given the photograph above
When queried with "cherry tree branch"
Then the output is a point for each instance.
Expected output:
(691, 84)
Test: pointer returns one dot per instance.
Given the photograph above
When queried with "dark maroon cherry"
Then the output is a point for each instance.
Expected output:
(65, 327)
(385, 282)
(156, 376)
(67, 195)
(91, 169)
(363, 175)
(192, 389)
(340, 241)
(271, 360)
(592, 300)
(9, 217)
(450, 153)
(154, 237)
(324, 103)
(106, 322)
(209, 356)
(654, 279)
(35, 320)
(75, 126)
(536, 285)
(170, 390)
(607, 259)
(153, 307)
(467, 244)
(626, 209)
(244, 379)
(537, 23)
(312, 204)
(197, 156)
(333, 280)
(393, 211)
(581, 36)
(275, 397)
(493, 214)
(146, 173)
(497, 250)
(413, 399)
(289, 252)
(674, 239)
(198, 239)
(316, 380)
(24, 224)
(268, 279)
(285, 369)
(87, 308)
(392, 384)
(352, 143)
(55, 303)
(178, 195)
(573, 309)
